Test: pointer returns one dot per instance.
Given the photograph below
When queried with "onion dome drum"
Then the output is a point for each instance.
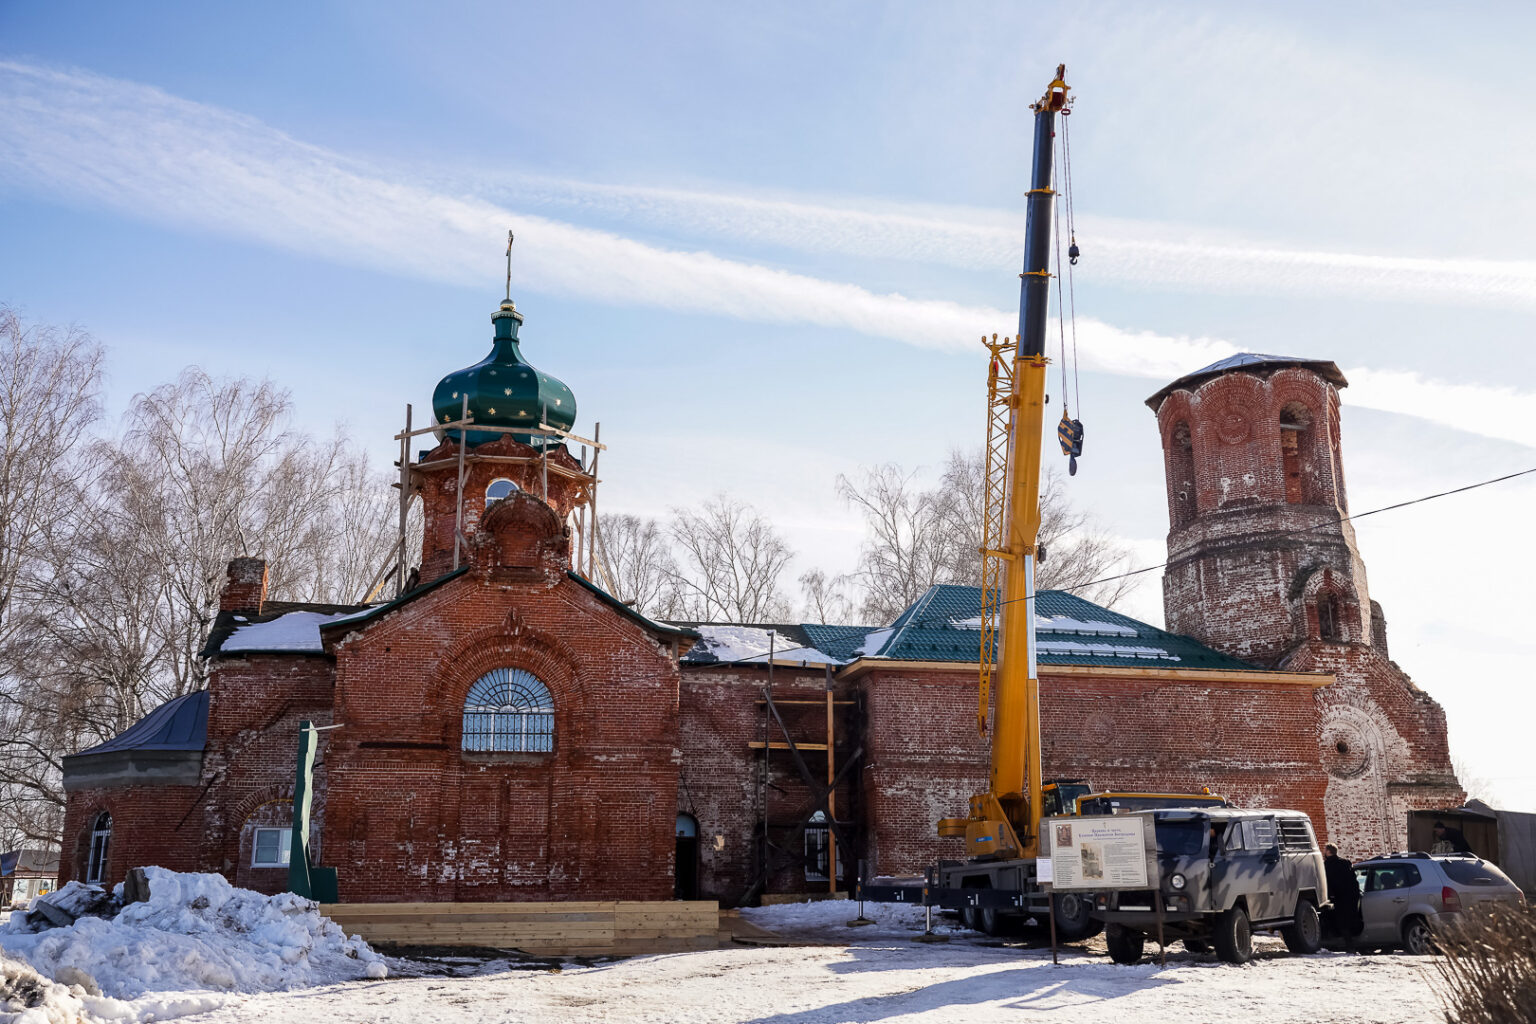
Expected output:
(504, 390)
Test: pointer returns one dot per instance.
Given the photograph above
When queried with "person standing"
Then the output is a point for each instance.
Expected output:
(1343, 919)
(1449, 840)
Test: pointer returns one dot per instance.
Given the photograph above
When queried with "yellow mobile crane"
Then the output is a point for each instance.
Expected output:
(1002, 831)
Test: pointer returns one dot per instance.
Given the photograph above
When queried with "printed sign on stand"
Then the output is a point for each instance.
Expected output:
(1098, 852)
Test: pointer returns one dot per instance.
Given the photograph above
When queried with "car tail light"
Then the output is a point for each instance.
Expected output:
(1450, 899)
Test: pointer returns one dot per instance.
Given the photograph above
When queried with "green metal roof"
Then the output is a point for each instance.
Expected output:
(504, 389)
(944, 623)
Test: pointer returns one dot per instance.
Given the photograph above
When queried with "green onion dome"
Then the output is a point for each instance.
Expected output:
(504, 390)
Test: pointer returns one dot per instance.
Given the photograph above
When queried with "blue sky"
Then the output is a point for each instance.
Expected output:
(760, 244)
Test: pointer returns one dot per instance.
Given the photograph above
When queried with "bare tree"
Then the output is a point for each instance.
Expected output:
(922, 537)
(639, 563)
(729, 559)
(824, 598)
(49, 384)
(903, 555)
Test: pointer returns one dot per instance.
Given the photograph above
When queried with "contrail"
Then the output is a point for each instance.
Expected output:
(143, 153)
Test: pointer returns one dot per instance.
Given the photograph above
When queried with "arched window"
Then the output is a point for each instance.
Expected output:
(509, 710)
(101, 845)
(1328, 617)
(1181, 475)
(1296, 443)
(501, 488)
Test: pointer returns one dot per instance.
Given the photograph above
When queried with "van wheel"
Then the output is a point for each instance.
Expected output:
(1305, 932)
(1125, 945)
(1417, 938)
(1073, 922)
(1234, 938)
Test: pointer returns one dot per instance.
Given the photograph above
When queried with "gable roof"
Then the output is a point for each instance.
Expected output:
(1255, 361)
(943, 625)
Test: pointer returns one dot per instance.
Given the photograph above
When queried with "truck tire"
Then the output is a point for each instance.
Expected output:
(1305, 932)
(1233, 936)
(988, 921)
(968, 918)
(1125, 944)
(1073, 922)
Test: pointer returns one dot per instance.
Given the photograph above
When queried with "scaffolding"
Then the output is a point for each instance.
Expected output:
(587, 555)
(788, 720)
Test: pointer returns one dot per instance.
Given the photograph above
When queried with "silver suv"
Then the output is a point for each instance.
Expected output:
(1223, 873)
(1405, 896)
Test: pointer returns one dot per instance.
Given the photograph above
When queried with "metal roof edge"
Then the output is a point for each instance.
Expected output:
(660, 628)
(1315, 680)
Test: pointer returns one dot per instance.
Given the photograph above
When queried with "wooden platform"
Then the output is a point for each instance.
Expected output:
(606, 928)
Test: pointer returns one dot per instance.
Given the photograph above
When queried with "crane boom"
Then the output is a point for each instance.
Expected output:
(1005, 820)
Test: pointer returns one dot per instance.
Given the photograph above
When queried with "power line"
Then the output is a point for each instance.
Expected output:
(1286, 533)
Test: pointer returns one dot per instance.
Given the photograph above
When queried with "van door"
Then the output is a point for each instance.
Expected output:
(1249, 866)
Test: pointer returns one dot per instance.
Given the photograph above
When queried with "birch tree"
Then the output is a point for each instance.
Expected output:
(729, 559)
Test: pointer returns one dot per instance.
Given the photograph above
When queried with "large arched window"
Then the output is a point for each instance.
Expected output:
(101, 846)
(508, 710)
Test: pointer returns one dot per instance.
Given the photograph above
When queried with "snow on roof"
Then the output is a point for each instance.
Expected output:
(732, 643)
(292, 631)
(1059, 624)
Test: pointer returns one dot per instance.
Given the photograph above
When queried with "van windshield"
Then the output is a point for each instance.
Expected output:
(1185, 837)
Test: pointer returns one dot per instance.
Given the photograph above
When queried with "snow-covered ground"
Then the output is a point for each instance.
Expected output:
(880, 975)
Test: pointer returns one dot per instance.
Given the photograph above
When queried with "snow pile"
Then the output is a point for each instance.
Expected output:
(195, 932)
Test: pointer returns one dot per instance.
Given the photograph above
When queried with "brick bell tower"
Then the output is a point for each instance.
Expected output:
(514, 453)
(1260, 557)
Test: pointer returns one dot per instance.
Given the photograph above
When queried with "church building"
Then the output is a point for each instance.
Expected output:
(503, 728)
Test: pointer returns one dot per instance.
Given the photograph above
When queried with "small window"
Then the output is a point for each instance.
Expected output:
(1296, 835)
(818, 850)
(1263, 833)
(1328, 617)
(500, 489)
(101, 847)
(271, 848)
(1394, 876)
(509, 711)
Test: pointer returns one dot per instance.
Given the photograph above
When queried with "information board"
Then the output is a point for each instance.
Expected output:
(1098, 852)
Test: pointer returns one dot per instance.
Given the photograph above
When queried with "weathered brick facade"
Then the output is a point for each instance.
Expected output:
(1263, 567)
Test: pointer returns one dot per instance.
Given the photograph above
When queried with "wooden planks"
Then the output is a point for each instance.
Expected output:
(611, 928)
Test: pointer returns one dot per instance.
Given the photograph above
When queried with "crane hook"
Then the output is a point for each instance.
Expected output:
(1073, 252)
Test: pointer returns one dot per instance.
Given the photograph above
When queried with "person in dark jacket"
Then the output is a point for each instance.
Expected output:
(1449, 840)
(1343, 920)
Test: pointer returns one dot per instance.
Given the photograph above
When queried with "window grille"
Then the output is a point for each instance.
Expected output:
(101, 846)
(818, 849)
(509, 710)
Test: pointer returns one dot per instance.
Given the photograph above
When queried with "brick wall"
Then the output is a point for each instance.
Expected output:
(721, 781)
(411, 816)
(150, 825)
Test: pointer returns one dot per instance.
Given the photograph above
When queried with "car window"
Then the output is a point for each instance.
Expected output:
(1363, 879)
(1236, 835)
(1262, 835)
(1474, 872)
(1394, 876)
(1186, 837)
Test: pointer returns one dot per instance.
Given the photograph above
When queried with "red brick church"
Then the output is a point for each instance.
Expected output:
(507, 729)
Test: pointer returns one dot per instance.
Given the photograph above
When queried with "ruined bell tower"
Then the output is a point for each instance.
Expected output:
(1261, 557)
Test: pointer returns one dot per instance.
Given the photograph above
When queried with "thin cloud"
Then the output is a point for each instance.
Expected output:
(142, 152)
(1163, 256)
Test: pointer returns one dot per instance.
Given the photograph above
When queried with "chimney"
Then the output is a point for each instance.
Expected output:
(245, 587)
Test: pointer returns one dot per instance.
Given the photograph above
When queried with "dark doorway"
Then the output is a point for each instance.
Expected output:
(686, 879)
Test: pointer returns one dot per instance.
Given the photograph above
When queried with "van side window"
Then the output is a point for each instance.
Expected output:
(1263, 833)
(1236, 832)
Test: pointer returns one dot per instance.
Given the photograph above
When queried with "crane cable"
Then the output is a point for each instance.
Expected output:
(1069, 431)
